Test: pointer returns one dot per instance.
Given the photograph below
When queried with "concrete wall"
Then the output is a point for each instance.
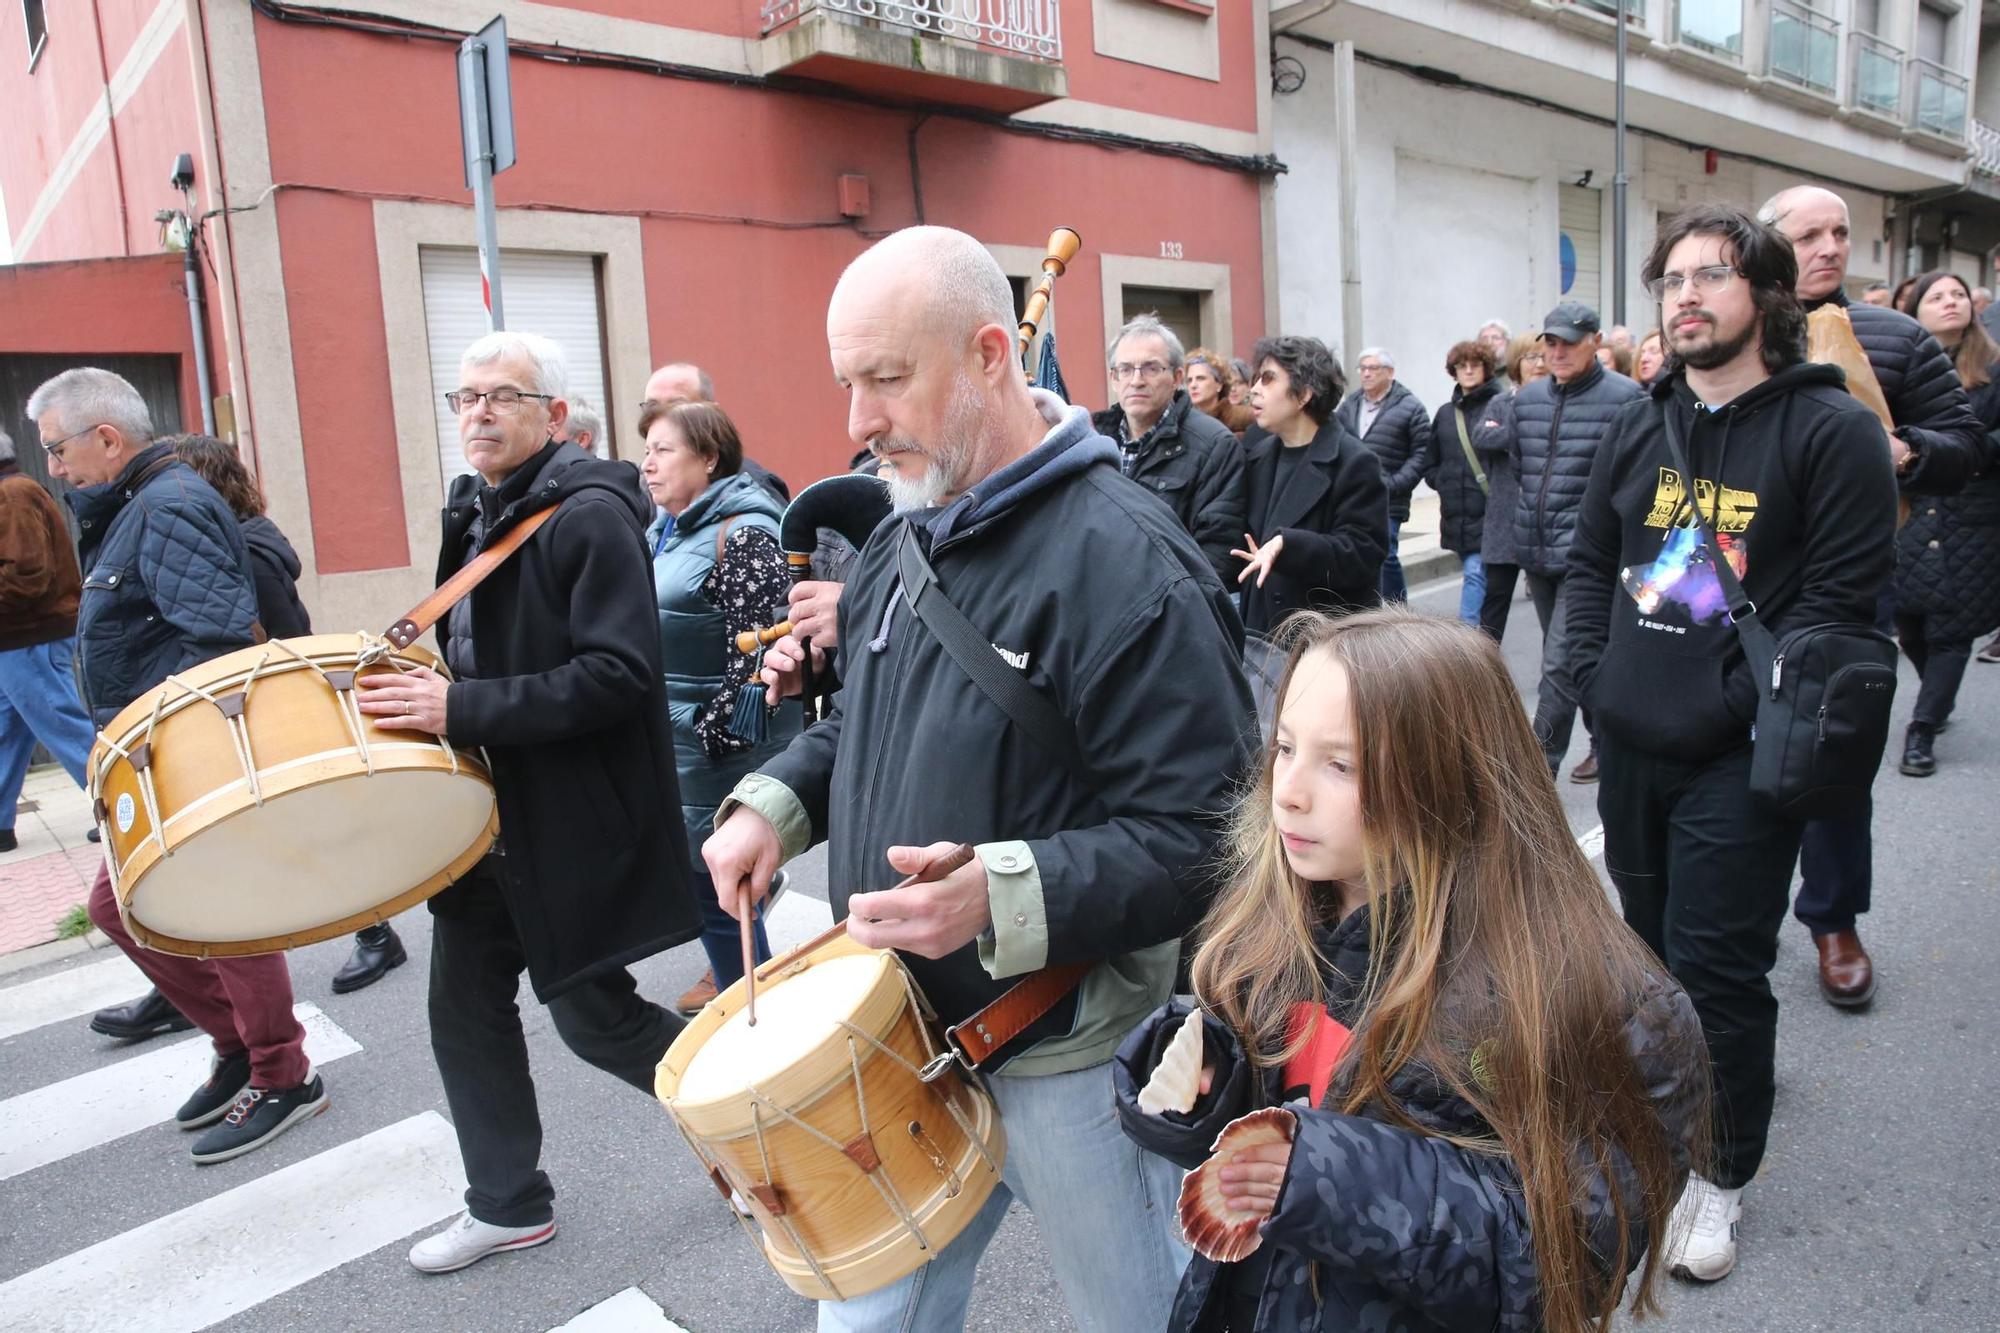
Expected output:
(1458, 197)
(98, 307)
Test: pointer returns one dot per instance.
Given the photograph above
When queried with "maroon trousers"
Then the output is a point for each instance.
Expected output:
(243, 1004)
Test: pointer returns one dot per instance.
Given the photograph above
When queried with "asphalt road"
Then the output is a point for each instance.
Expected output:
(1875, 1209)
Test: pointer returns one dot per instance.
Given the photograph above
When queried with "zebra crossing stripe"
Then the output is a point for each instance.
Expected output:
(69, 994)
(630, 1311)
(232, 1252)
(60, 1119)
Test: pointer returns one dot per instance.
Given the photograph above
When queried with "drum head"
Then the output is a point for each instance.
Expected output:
(793, 1018)
(322, 853)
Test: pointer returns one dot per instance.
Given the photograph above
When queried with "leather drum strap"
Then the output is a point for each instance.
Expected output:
(1009, 1016)
(470, 575)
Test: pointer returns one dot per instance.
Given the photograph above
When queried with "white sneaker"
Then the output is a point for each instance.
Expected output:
(468, 1240)
(1701, 1234)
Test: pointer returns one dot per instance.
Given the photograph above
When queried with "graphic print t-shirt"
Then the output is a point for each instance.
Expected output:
(1678, 595)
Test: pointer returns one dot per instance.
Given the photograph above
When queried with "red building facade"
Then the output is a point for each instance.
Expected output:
(677, 194)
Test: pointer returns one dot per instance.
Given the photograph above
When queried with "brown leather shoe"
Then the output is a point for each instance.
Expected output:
(1846, 974)
(703, 991)
(1587, 770)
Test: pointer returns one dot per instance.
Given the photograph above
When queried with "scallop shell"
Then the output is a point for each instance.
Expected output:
(1176, 1082)
(1215, 1230)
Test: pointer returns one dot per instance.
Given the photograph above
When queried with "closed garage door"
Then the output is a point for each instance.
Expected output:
(1582, 216)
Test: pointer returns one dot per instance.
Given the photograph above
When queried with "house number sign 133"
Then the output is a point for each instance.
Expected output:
(1170, 249)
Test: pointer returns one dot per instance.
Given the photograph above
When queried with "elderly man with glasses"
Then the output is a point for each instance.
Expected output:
(556, 666)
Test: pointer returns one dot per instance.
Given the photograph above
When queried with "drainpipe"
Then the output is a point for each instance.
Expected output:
(197, 315)
(1619, 181)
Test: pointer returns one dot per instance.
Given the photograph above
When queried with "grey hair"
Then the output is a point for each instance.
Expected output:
(1499, 324)
(701, 379)
(87, 396)
(970, 290)
(1148, 326)
(1380, 354)
(545, 355)
(584, 419)
(6, 447)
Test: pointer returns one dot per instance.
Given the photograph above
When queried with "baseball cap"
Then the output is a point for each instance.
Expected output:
(1572, 321)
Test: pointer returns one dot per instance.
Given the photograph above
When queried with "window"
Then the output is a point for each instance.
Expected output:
(1715, 26)
(1939, 89)
(551, 294)
(1805, 44)
(1934, 34)
(1868, 17)
(37, 24)
(1178, 309)
(1634, 9)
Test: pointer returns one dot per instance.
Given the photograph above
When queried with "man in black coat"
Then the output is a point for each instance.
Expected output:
(557, 663)
(1384, 415)
(1179, 453)
(1937, 445)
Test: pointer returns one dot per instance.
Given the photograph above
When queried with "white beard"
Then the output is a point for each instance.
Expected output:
(950, 459)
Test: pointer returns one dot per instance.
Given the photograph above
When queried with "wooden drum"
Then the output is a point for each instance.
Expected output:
(855, 1171)
(248, 806)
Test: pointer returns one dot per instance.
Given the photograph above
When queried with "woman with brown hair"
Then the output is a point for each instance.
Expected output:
(1477, 1094)
(1948, 554)
(274, 571)
(1208, 379)
(1525, 364)
(1455, 471)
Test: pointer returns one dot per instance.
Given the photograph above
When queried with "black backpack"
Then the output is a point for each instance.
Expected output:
(1823, 698)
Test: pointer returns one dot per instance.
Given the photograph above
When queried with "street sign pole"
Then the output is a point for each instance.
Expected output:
(486, 123)
(1619, 183)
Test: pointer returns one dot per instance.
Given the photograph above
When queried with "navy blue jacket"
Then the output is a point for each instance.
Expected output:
(166, 580)
(1554, 435)
(1400, 435)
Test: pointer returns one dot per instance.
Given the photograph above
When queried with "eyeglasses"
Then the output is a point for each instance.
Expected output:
(501, 400)
(1705, 281)
(1369, 368)
(1125, 370)
(55, 450)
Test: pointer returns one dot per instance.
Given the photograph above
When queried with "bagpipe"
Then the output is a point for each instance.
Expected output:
(854, 504)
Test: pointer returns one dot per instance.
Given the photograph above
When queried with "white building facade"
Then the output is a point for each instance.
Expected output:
(1451, 161)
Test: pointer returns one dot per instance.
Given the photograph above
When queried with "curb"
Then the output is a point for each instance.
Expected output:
(54, 951)
(1430, 566)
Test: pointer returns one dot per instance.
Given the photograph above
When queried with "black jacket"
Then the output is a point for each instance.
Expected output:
(1379, 1227)
(571, 706)
(1550, 436)
(1400, 437)
(1932, 413)
(166, 582)
(274, 569)
(1195, 464)
(1335, 521)
(1462, 494)
(1106, 605)
(1948, 554)
(1493, 440)
(1806, 515)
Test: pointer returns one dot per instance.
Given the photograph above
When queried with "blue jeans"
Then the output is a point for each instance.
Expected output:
(1393, 587)
(38, 703)
(721, 938)
(1472, 592)
(1105, 1208)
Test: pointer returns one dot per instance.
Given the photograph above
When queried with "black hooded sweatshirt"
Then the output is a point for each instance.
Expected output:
(1806, 513)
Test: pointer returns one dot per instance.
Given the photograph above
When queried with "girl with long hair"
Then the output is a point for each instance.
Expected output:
(1948, 554)
(1492, 1091)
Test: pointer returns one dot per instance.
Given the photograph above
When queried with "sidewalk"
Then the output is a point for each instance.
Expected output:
(1417, 545)
(52, 870)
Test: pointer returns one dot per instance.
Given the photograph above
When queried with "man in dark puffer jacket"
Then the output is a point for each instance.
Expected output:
(1551, 438)
(1937, 445)
(1393, 423)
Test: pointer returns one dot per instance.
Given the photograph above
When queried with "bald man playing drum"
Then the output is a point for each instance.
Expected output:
(1092, 591)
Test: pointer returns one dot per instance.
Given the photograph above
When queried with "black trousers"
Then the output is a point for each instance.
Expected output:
(1837, 857)
(1940, 664)
(1499, 599)
(482, 1056)
(1703, 875)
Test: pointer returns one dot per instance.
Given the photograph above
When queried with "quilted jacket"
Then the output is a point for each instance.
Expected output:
(1553, 437)
(1930, 407)
(166, 580)
(1401, 438)
(1378, 1228)
(1948, 554)
(1461, 495)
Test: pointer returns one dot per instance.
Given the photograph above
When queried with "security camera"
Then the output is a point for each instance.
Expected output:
(183, 178)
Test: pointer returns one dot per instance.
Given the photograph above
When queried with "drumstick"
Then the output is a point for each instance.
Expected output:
(958, 856)
(746, 927)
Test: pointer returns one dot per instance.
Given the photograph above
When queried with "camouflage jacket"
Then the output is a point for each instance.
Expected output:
(1379, 1229)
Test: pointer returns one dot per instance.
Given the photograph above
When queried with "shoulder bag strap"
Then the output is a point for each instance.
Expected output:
(470, 575)
(1465, 443)
(1028, 707)
(1758, 642)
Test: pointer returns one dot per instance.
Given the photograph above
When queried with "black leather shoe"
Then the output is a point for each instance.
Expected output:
(1918, 761)
(151, 1015)
(376, 950)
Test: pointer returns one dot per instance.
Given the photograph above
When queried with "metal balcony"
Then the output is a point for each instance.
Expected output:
(1805, 46)
(1875, 75)
(1001, 55)
(1985, 150)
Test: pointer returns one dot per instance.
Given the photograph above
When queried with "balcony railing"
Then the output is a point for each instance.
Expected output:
(1022, 28)
(1937, 98)
(1985, 149)
(1805, 46)
(1877, 75)
(1714, 26)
